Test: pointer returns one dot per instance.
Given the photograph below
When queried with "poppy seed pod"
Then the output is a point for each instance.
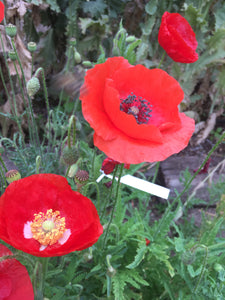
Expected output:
(12, 175)
(32, 47)
(11, 30)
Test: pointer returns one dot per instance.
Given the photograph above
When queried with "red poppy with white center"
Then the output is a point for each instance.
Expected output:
(2, 7)
(134, 112)
(177, 38)
(15, 282)
(43, 216)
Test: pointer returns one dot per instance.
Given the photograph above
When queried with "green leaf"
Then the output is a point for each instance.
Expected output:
(118, 286)
(219, 17)
(208, 237)
(151, 7)
(192, 272)
(95, 8)
(148, 25)
(179, 244)
(138, 257)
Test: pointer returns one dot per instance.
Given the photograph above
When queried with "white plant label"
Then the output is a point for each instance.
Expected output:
(141, 184)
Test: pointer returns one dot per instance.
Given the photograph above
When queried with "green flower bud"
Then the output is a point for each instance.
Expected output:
(12, 55)
(77, 57)
(73, 170)
(87, 63)
(111, 271)
(72, 42)
(12, 175)
(130, 39)
(11, 30)
(33, 86)
(31, 46)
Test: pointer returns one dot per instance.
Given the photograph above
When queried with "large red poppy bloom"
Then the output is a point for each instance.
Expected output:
(134, 112)
(177, 38)
(14, 279)
(2, 7)
(43, 216)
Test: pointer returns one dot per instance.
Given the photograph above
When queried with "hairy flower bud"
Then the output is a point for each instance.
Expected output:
(33, 86)
(70, 155)
(12, 175)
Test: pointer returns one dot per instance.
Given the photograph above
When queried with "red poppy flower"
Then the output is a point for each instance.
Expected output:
(2, 7)
(147, 242)
(109, 165)
(205, 168)
(43, 216)
(134, 112)
(14, 279)
(177, 38)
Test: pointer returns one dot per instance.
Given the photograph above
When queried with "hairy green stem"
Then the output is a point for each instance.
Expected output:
(110, 192)
(34, 125)
(203, 268)
(72, 124)
(114, 204)
(162, 59)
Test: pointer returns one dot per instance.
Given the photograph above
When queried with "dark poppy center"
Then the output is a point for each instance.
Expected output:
(138, 107)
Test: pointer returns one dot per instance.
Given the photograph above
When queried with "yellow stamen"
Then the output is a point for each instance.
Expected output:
(48, 228)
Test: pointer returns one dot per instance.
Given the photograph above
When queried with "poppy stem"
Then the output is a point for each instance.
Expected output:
(162, 59)
(114, 204)
(44, 268)
(110, 193)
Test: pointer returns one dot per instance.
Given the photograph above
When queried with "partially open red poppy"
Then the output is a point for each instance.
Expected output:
(2, 7)
(134, 112)
(177, 38)
(14, 279)
(43, 216)
(109, 165)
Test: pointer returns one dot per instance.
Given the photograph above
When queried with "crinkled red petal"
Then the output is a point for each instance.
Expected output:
(15, 282)
(132, 151)
(38, 193)
(2, 7)
(177, 38)
(92, 96)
